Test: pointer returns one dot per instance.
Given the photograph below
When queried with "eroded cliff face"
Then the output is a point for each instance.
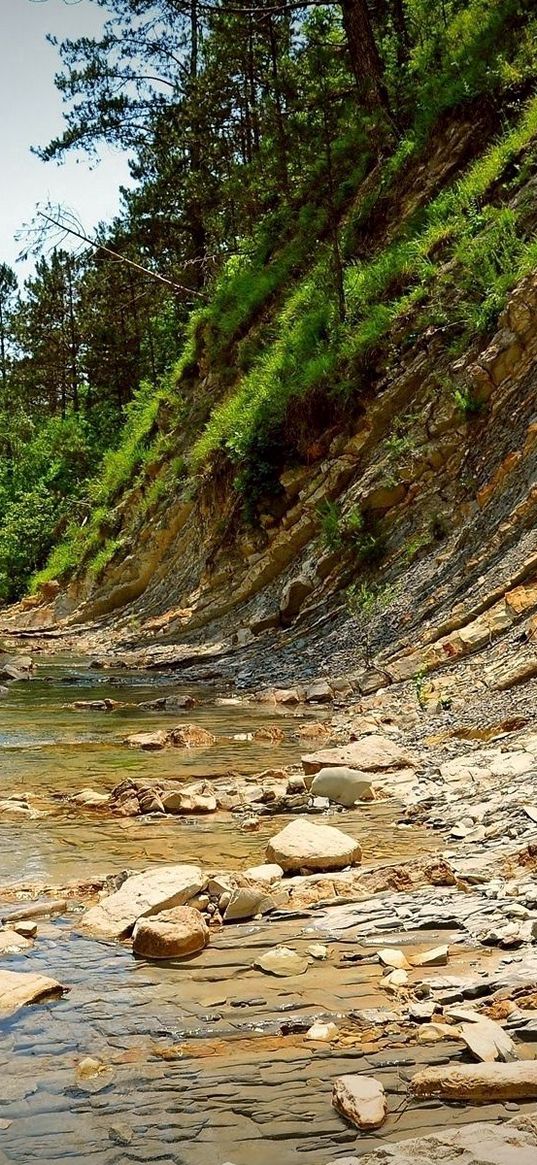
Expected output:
(438, 458)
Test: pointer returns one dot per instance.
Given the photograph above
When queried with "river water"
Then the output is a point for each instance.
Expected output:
(201, 1060)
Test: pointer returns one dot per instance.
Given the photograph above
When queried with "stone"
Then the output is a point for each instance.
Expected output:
(487, 1041)
(342, 785)
(18, 988)
(246, 903)
(320, 692)
(436, 957)
(293, 597)
(91, 798)
(169, 703)
(93, 1075)
(171, 934)
(322, 1033)
(421, 1012)
(390, 957)
(19, 667)
(478, 1083)
(318, 951)
(141, 895)
(361, 1100)
(3, 690)
(270, 872)
(12, 943)
(120, 1133)
(305, 845)
(26, 929)
(188, 801)
(371, 753)
(281, 961)
(507, 1143)
(148, 741)
(432, 1033)
(94, 705)
(191, 736)
(395, 980)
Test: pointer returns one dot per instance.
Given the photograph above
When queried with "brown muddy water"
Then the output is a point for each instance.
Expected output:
(204, 1061)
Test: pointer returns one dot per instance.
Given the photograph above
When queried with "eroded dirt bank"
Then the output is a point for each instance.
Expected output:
(406, 950)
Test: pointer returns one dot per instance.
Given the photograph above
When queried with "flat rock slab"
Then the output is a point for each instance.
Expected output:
(478, 1083)
(511, 1143)
(487, 1040)
(370, 753)
(361, 1099)
(139, 896)
(303, 845)
(17, 989)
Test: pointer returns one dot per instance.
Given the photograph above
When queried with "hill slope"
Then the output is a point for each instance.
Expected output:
(367, 480)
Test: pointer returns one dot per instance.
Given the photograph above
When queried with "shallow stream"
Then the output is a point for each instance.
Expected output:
(203, 1062)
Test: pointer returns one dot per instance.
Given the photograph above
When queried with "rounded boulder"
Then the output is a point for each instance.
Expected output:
(304, 845)
(173, 934)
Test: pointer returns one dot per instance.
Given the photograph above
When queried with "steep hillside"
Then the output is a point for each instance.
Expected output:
(369, 479)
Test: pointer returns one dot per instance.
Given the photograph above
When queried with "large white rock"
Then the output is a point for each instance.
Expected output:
(361, 1099)
(342, 785)
(509, 1143)
(305, 845)
(370, 753)
(141, 895)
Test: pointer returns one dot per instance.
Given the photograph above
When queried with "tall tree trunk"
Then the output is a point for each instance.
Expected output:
(364, 55)
(3, 363)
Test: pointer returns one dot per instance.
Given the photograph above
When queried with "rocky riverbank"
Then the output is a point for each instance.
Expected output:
(346, 928)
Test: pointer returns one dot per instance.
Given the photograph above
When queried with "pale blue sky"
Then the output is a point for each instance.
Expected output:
(32, 115)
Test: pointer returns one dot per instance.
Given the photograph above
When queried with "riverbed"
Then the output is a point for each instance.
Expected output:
(203, 1061)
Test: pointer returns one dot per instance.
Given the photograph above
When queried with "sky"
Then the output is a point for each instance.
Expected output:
(32, 115)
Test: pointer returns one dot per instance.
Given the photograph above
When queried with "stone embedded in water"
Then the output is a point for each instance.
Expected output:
(18, 988)
(120, 1133)
(478, 1083)
(371, 753)
(93, 1075)
(171, 934)
(282, 961)
(191, 736)
(140, 895)
(148, 741)
(362, 1100)
(188, 801)
(305, 845)
(343, 785)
